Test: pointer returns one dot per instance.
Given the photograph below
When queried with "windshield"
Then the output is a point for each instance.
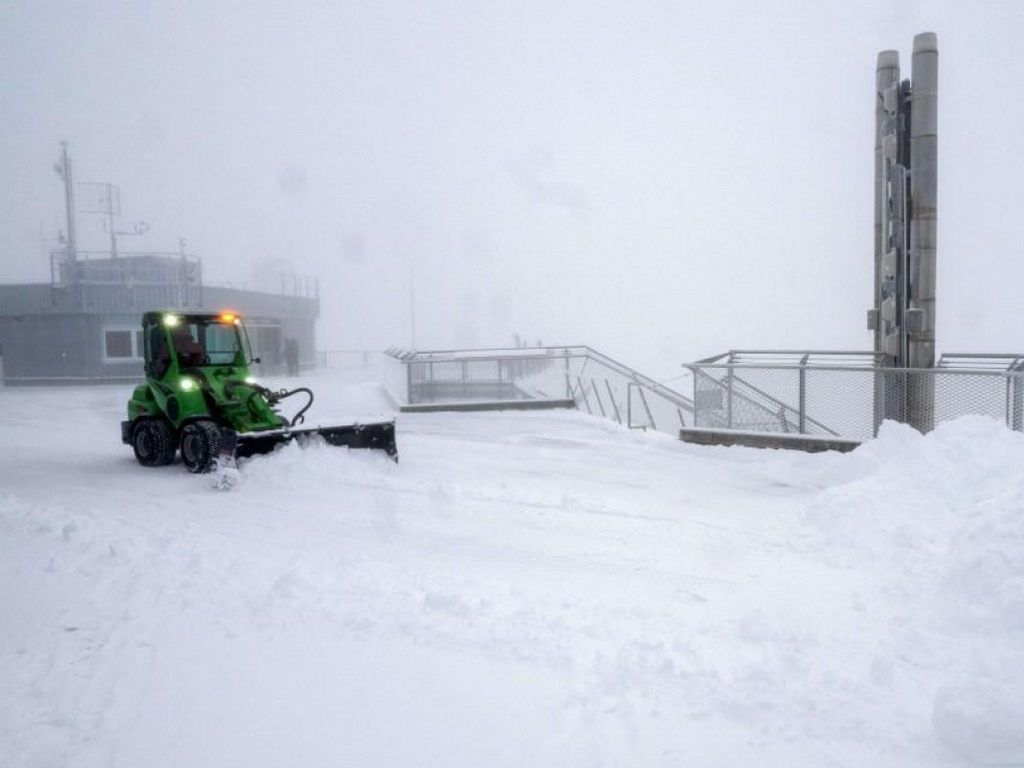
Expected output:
(196, 340)
(220, 340)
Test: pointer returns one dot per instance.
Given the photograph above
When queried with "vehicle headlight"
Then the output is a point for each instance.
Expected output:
(250, 379)
(188, 384)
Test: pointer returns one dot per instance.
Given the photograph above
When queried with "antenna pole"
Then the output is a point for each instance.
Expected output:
(64, 171)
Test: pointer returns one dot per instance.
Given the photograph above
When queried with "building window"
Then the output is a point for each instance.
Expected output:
(122, 344)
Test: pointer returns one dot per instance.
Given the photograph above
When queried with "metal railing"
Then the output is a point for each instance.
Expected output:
(175, 275)
(592, 382)
(847, 394)
(347, 358)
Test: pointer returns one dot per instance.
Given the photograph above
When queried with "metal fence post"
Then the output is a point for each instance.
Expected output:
(611, 397)
(647, 408)
(1018, 401)
(583, 391)
(597, 394)
(803, 395)
(728, 378)
(697, 373)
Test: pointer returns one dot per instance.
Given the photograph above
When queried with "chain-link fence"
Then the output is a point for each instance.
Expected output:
(811, 395)
(577, 376)
(819, 394)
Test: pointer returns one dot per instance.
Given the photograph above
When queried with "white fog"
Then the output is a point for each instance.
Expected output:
(576, 581)
(661, 181)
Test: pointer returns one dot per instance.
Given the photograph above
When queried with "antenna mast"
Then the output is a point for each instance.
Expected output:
(63, 170)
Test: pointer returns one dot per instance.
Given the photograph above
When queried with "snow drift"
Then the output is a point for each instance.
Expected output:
(522, 590)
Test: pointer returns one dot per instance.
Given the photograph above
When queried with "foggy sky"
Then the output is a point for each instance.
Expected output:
(660, 180)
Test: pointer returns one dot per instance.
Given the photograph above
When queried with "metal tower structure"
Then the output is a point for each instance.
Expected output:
(906, 214)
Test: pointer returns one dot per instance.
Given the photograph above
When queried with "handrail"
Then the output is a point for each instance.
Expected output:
(989, 361)
(519, 353)
(754, 401)
(769, 357)
(854, 369)
(560, 352)
(666, 392)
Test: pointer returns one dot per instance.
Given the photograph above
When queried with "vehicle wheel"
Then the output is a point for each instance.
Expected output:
(200, 445)
(153, 442)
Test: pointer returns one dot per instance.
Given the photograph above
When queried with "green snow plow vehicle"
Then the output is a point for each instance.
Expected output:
(199, 396)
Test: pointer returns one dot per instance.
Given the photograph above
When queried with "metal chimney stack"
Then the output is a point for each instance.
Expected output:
(924, 133)
(887, 155)
(906, 141)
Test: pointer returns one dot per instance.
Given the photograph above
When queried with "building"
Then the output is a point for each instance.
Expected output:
(84, 326)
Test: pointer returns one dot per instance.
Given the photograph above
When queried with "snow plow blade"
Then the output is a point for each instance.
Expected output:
(375, 435)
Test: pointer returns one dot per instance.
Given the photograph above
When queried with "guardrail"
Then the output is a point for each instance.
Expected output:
(347, 358)
(848, 394)
(575, 375)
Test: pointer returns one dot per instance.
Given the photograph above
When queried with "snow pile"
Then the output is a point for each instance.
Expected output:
(540, 589)
(943, 516)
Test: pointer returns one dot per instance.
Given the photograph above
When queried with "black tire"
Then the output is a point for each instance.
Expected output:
(200, 445)
(153, 442)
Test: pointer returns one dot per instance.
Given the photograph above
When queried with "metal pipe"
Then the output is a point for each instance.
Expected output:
(611, 397)
(802, 416)
(69, 202)
(583, 391)
(1018, 401)
(647, 409)
(887, 77)
(923, 196)
(923, 220)
(728, 377)
(597, 394)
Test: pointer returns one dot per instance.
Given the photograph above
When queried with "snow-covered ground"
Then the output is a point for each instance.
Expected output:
(523, 589)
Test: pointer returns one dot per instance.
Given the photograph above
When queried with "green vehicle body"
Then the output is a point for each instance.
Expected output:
(200, 397)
